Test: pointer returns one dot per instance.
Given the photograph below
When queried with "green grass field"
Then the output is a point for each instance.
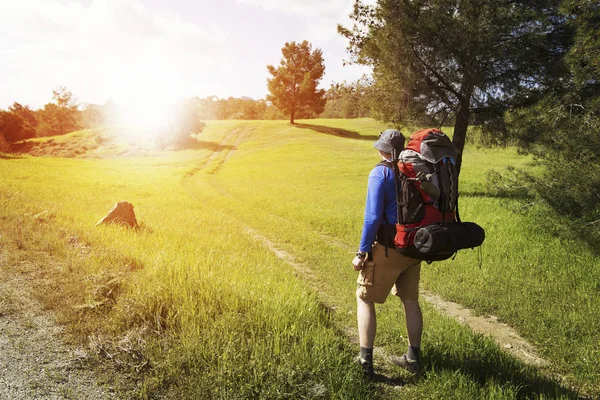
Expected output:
(210, 312)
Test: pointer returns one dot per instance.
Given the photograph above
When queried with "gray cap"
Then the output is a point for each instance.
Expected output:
(389, 140)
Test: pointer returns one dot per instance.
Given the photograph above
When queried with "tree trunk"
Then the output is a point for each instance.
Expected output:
(461, 124)
(292, 116)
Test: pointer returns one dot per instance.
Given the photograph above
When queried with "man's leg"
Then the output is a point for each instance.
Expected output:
(414, 327)
(374, 286)
(367, 322)
(367, 326)
(407, 288)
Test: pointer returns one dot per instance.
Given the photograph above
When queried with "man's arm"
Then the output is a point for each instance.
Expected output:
(373, 208)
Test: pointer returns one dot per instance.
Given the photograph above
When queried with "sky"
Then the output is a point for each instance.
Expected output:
(133, 51)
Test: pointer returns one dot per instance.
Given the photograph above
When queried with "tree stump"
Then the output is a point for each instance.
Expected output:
(122, 213)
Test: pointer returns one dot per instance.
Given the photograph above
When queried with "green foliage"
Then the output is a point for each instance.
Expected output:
(61, 116)
(178, 133)
(4, 145)
(11, 126)
(30, 121)
(566, 138)
(212, 107)
(239, 108)
(272, 113)
(348, 100)
(563, 130)
(17, 123)
(93, 116)
(293, 86)
(434, 59)
(584, 54)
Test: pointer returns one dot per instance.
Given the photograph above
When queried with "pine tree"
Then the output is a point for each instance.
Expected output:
(563, 129)
(293, 87)
(457, 59)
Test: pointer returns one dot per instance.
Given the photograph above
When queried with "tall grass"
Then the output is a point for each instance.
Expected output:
(223, 316)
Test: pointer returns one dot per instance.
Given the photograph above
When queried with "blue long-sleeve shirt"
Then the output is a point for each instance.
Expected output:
(381, 200)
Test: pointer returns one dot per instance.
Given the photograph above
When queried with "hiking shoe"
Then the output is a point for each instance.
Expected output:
(366, 366)
(411, 366)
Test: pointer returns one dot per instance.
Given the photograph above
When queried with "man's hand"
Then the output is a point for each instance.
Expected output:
(359, 261)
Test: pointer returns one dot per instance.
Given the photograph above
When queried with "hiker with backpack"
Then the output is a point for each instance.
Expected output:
(411, 215)
(394, 271)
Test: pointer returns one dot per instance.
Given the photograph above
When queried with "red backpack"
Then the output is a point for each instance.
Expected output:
(428, 226)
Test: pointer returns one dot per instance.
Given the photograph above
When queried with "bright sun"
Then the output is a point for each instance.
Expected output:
(148, 112)
(146, 96)
(144, 114)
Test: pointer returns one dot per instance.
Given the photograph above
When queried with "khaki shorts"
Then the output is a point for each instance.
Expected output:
(395, 273)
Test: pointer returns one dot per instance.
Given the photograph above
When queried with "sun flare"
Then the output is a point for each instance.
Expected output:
(146, 94)
(145, 110)
(148, 113)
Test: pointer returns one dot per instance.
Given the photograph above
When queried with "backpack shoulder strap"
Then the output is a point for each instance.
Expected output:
(389, 164)
(393, 165)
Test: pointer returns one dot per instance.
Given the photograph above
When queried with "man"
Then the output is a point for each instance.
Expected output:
(382, 268)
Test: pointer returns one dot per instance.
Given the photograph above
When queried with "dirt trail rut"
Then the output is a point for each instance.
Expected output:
(304, 271)
(504, 335)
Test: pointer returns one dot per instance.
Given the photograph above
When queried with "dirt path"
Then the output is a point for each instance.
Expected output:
(302, 270)
(383, 368)
(35, 363)
(504, 335)
(229, 145)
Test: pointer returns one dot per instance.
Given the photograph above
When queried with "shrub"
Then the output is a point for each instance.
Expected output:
(179, 134)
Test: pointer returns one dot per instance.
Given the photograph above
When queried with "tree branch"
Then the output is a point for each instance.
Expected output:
(440, 79)
(439, 91)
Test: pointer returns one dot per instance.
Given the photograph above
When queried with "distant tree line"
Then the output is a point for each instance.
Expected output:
(349, 99)
(58, 117)
(64, 114)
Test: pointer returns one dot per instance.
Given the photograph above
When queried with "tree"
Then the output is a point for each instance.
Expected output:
(563, 129)
(92, 116)
(231, 108)
(293, 87)
(185, 123)
(61, 116)
(11, 126)
(348, 100)
(4, 145)
(30, 121)
(18, 123)
(457, 58)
